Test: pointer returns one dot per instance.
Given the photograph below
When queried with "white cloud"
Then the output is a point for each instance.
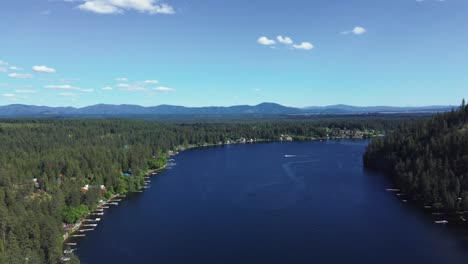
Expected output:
(9, 95)
(68, 94)
(43, 69)
(107, 88)
(285, 40)
(359, 30)
(3, 63)
(304, 46)
(25, 91)
(120, 6)
(61, 87)
(266, 41)
(131, 87)
(14, 68)
(67, 87)
(20, 76)
(356, 31)
(164, 89)
(3, 69)
(123, 85)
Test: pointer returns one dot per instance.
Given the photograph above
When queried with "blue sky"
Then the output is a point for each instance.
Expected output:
(212, 52)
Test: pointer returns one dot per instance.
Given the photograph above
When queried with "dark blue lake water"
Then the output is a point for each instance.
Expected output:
(251, 204)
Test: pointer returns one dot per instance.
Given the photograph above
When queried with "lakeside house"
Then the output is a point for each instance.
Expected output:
(36, 183)
(286, 138)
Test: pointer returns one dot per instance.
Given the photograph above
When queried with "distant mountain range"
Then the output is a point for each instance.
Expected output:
(18, 110)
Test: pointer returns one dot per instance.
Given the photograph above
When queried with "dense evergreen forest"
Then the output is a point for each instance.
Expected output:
(427, 159)
(45, 163)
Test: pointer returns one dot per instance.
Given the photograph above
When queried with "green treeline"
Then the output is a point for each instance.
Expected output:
(428, 159)
(64, 156)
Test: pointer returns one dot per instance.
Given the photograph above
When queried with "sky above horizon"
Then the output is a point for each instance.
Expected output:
(210, 52)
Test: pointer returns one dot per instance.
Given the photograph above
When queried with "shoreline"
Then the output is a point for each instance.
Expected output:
(154, 172)
(80, 223)
(451, 218)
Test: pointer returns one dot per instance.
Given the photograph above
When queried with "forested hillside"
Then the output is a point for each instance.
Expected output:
(65, 155)
(428, 159)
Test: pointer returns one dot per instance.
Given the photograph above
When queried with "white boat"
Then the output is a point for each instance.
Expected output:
(392, 190)
(69, 251)
(443, 222)
(289, 156)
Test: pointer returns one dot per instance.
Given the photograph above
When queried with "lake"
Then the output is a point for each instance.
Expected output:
(252, 204)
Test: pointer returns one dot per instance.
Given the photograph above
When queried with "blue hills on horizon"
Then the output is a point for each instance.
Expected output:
(20, 110)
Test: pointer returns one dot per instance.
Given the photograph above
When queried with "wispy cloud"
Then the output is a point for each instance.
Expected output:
(151, 82)
(20, 75)
(14, 68)
(107, 88)
(138, 86)
(285, 40)
(164, 89)
(356, 31)
(304, 46)
(61, 87)
(9, 95)
(43, 69)
(121, 79)
(151, 7)
(67, 87)
(25, 91)
(68, 94)
(131, 87)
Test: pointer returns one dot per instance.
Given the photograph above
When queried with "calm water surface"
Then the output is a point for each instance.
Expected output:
(251, 204)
